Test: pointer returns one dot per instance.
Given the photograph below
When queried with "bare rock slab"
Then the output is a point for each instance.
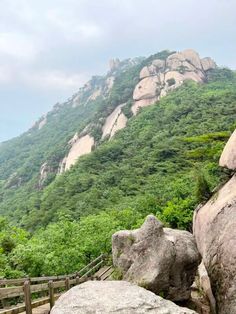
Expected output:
(162, 260)
(215, 232)
(106, 297)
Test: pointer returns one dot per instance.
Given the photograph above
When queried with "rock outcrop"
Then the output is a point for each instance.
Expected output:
(156, 80)
(42, 122)
(114, 64)
(160, 259)
(45, 170)
(97, 87)
(228, 156)
(207, 64)
(106, 297)
(79, 146)
(162, 76)
(114, 122)
(215, 231)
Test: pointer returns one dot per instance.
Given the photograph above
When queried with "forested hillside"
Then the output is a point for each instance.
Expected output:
(48, 141)
(152, 165)
(164, 162)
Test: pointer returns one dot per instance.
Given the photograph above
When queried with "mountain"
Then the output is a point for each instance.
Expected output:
(145, 138)
(89, 118)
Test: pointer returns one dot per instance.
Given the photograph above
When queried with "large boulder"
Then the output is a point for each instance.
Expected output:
(174, 61)
(208, 64)
(160, 259)
(147, 71)
(106, 297)
(228, 156)
(147, 88)
(193, 58)
(214, 227)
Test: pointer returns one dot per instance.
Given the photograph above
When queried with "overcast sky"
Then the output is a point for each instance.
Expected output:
(49, 48)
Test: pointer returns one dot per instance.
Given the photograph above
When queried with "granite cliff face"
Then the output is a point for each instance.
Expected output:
(156, 79)
(114, 122)
(162, 76)
(101, 108)
(215, 232)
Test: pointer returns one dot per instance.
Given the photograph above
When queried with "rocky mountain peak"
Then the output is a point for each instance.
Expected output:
(114, 64)
(156, 79)
(162, 76)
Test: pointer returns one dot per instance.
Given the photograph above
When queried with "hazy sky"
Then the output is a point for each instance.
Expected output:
(49, 48)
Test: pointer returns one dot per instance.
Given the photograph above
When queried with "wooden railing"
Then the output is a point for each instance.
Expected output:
(53, 287)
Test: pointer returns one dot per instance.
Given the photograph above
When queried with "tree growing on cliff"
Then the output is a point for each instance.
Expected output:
(203, 191)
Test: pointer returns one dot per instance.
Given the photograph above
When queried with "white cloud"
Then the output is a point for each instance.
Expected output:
(6, 75)
(54, 80)
(89, 31)
(18, 46)
(49, 48)
(73, 27)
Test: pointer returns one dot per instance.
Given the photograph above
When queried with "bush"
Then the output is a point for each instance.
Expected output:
(171, 81)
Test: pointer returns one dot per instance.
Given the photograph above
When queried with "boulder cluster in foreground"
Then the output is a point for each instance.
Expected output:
(165, 261)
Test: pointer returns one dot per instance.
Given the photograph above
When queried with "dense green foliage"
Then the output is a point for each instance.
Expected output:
(151, 166)
(22, 157)
(10, 238)
(164, 162)
(65, 246)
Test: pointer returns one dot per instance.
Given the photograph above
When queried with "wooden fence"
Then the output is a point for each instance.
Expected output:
(53, 287)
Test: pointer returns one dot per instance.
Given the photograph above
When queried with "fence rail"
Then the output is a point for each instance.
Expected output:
(25, 287)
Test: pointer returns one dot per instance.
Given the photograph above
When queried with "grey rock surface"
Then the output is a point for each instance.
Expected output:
(205, 285)
(215, 232)
(160, 259)
(105, 297)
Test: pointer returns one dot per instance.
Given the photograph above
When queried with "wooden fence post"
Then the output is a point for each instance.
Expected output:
(27, 293)
(51, 294)
(77, 279)
(67, 283)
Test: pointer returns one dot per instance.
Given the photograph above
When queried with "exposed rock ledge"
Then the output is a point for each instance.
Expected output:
(106, 297)
(80, 146)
